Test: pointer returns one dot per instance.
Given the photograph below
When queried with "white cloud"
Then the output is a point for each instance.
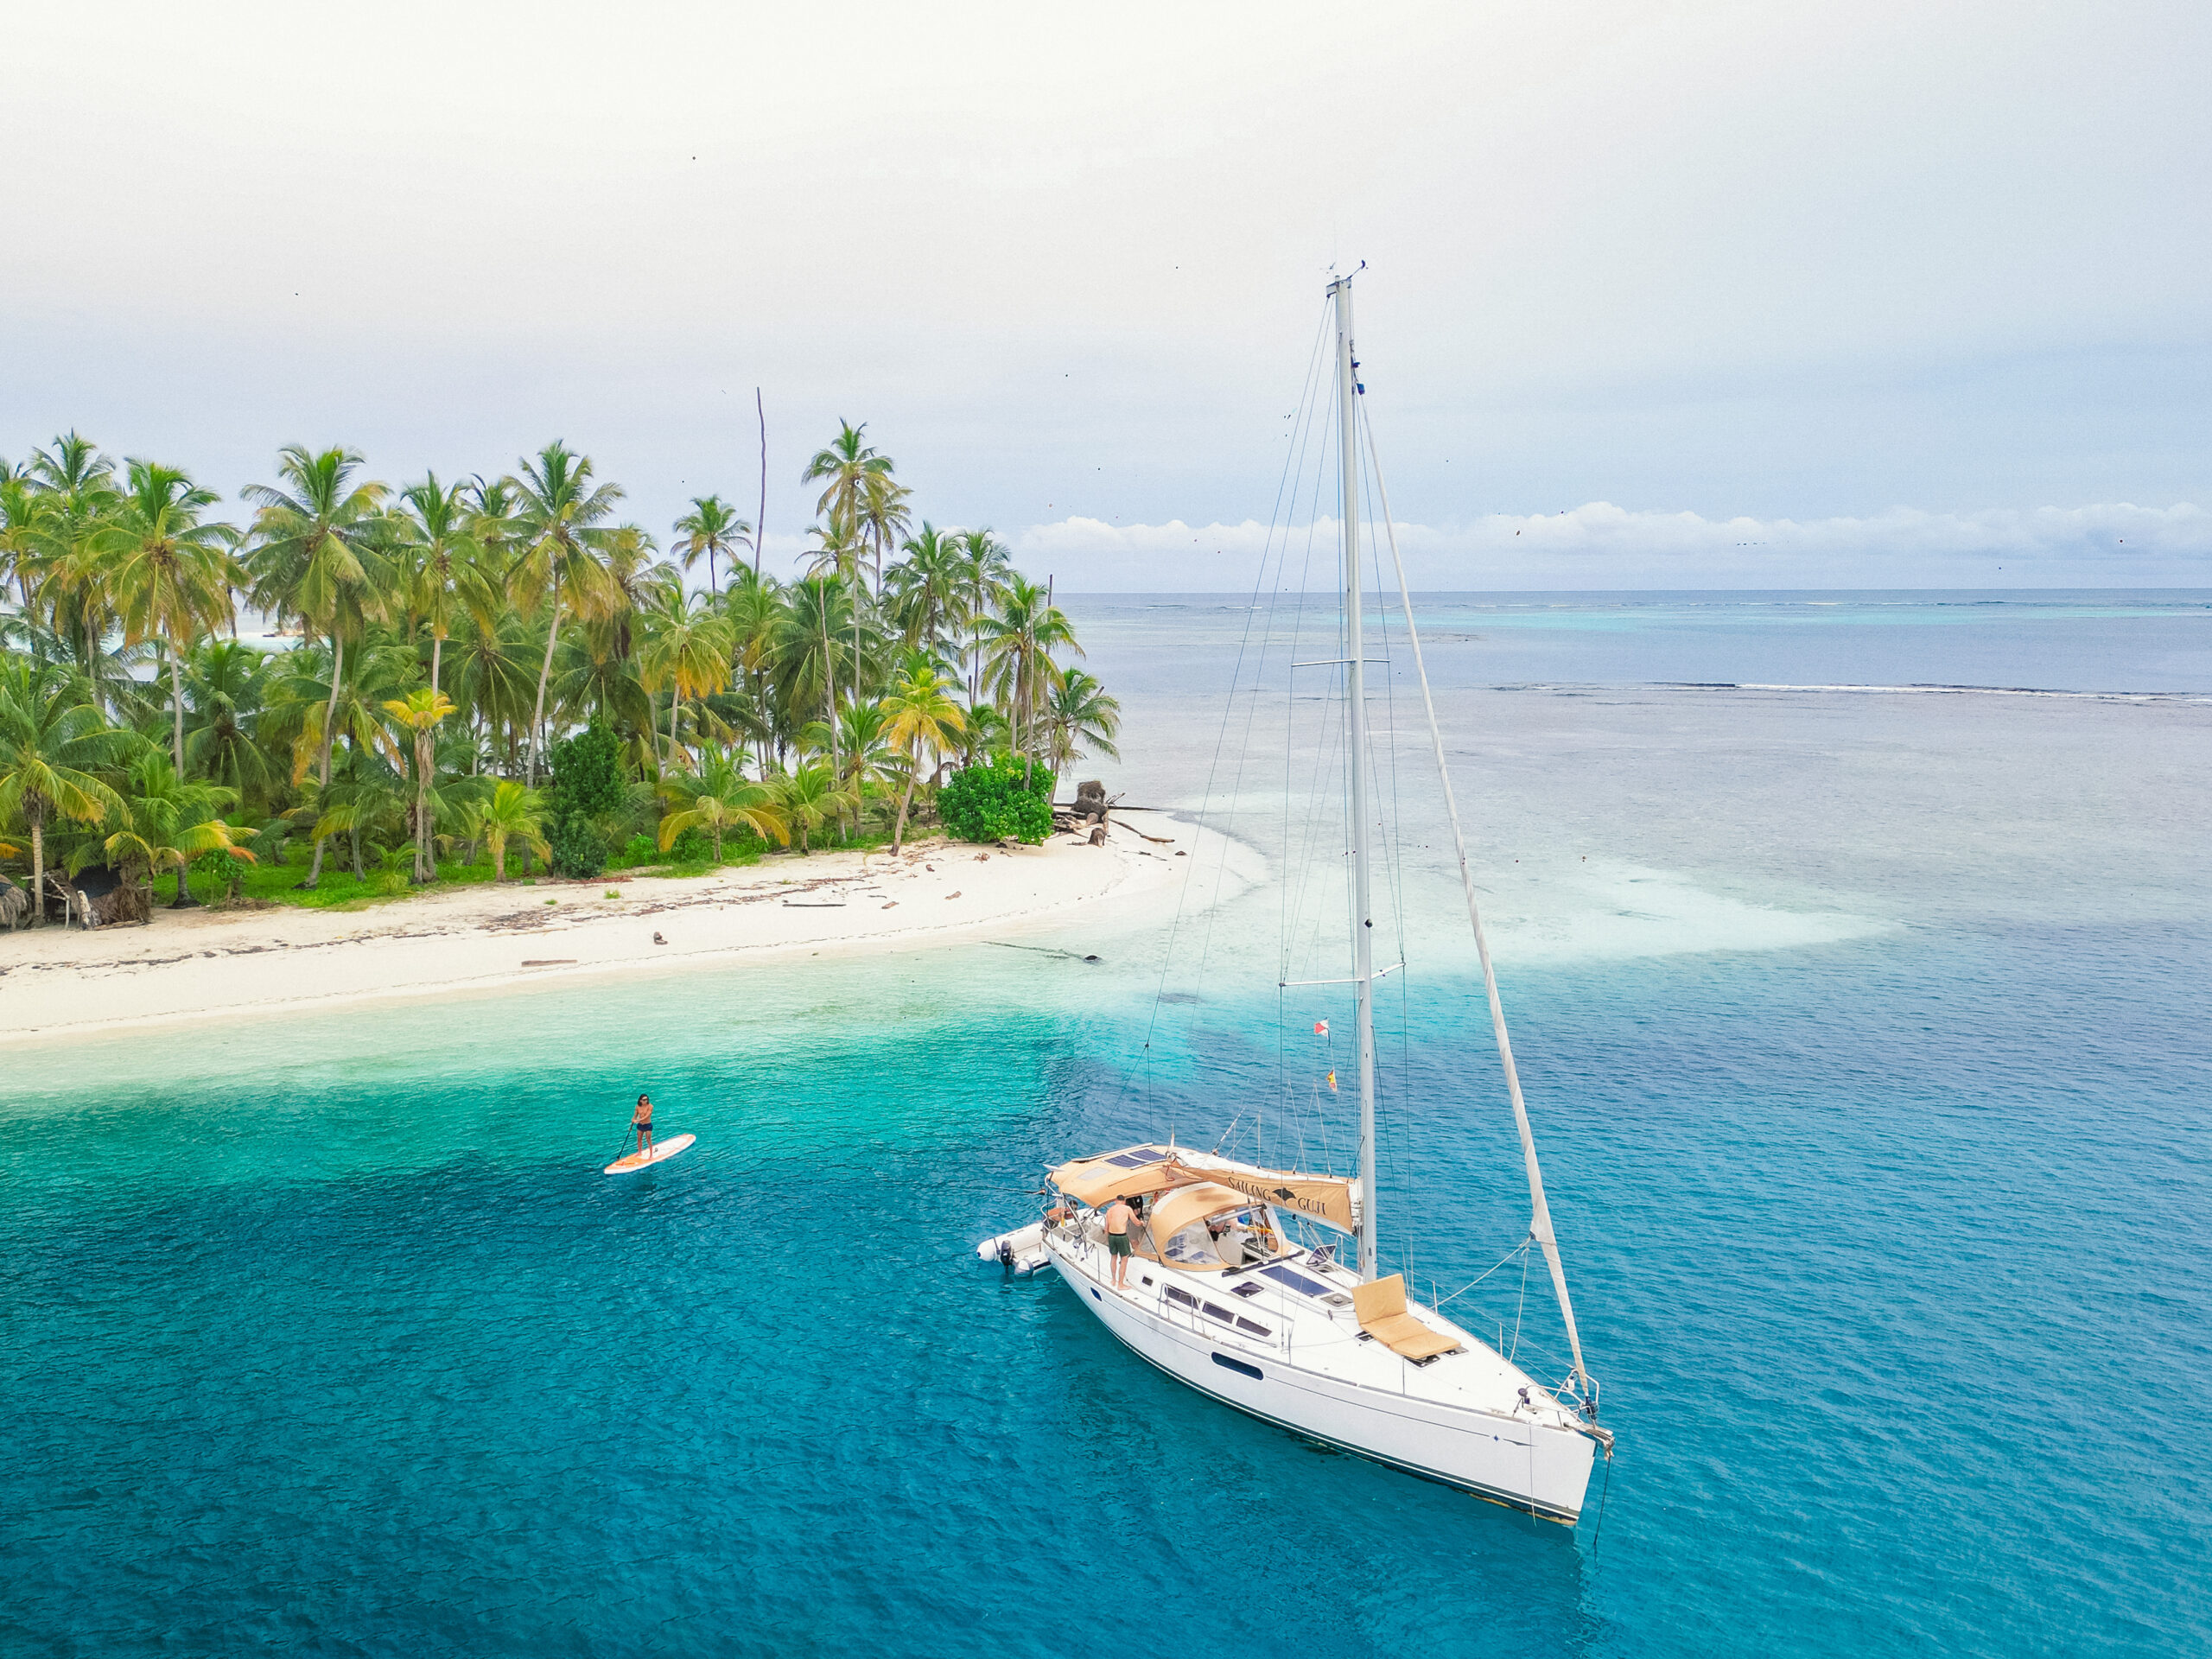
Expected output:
(1601, 545)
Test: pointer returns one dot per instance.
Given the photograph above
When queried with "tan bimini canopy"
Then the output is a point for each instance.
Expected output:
(1139, 1170)
(1186, 1204)
(1125, 1174)
(1323, 1197)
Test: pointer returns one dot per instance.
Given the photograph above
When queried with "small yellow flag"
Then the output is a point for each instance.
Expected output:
(1333, 1083)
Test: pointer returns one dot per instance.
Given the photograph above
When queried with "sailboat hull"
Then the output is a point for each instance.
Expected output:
(1539, 1468)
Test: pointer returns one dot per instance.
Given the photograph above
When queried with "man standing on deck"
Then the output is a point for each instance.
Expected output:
(1118, 1217)
(642, 1122)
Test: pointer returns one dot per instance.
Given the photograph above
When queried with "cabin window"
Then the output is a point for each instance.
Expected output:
(1247, 1326)
(1177, 1295)
(1239, 1367)
(1216, 1311)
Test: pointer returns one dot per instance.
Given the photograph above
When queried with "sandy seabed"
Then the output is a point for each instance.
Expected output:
(57, 982)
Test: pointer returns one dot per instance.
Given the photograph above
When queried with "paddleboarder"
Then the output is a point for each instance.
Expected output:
(642, 1122)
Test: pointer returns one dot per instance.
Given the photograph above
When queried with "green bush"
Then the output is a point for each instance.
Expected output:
(991, 803)
(226, 870)
(638, 849)
(588, 779)
(579, 851)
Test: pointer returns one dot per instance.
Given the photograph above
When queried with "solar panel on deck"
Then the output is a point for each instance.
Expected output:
(1135, 1159)
(1297, 1281)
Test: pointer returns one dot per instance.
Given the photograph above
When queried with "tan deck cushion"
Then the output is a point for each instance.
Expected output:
(1381, 1306)
(1380, 1298)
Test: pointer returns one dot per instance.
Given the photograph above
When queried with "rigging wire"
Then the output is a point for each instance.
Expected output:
(1206, 800)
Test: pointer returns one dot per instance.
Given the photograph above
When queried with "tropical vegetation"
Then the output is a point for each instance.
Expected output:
(351, 689)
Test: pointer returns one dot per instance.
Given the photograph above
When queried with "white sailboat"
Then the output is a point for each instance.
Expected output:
(1235, 1283)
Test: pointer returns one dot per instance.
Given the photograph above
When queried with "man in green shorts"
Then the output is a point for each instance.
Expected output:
(1119, 1216)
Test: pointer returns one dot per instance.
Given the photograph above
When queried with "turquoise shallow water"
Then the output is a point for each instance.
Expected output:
(1873, 1105)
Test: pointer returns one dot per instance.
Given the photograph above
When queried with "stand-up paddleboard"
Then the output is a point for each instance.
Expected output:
(661, 1152)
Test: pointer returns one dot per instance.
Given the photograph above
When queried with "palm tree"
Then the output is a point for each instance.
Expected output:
(512, 813)
(861, 749)
(689, 644)
(308, 710)
(440, 533)
(19, 545)
(225, 684)
(927, 586)
(754, 606)
(842, 467)
(810, 797)
(420, 714)
(1078, 713)
(719, 799)
(1019, 645)
(171, 571)
(922, 718)
(318, 554)
(66, 578)
(559, 518)
(809, 635)
(882, 515)
(170, 820)
(985, 566)
(711, 528)
(53, 747)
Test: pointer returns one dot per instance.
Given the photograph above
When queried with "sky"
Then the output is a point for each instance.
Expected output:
(1655, 296)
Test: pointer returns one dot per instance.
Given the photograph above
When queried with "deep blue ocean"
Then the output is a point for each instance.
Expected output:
(1864, 1036)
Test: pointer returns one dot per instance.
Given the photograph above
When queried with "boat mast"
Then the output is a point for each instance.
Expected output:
(1363, 920)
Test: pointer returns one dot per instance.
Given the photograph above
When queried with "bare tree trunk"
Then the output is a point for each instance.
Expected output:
(329, 736)
(437, 650)
(545, 673)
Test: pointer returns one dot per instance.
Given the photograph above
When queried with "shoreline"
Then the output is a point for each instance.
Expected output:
(205, 964)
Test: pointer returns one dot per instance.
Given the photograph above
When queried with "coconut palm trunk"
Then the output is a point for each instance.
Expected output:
(329, 736)
(426, 863)
(176, 706)
(905, 800)
(36, 813)
(544, 675)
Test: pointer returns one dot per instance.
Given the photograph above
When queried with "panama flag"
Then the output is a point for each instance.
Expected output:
(1320, 1027)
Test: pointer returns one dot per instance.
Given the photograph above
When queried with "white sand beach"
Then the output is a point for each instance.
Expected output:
(197, 963)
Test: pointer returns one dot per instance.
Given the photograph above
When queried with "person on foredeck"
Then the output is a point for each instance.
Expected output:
(1120, 1218)
(642, 1122)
